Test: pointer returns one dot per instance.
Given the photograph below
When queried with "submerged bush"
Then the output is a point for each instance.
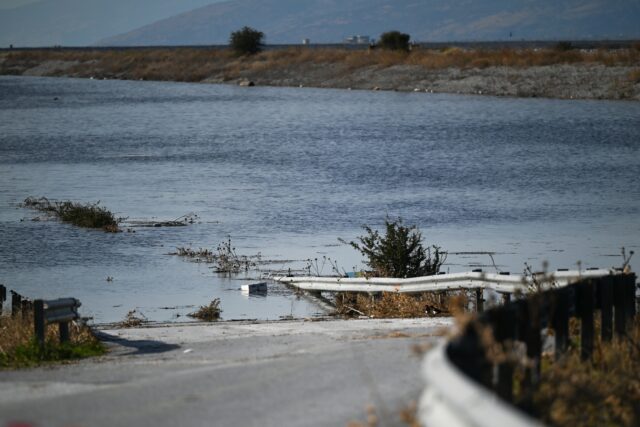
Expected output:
(89, 215)
(209, 312)
(399, 253)
(394, 40)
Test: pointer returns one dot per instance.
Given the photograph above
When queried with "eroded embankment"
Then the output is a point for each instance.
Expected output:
(599, 74)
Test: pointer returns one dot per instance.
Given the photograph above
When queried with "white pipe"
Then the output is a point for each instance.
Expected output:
(467, 280)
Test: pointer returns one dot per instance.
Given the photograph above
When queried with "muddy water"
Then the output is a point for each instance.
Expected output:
(285, 172)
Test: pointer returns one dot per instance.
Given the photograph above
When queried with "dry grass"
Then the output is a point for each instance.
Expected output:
(602, 392)
(209, 313)
(396, 305)
(194, 65)
(18, 347)
(634, 76)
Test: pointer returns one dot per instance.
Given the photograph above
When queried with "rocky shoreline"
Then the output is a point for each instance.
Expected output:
(563, 81)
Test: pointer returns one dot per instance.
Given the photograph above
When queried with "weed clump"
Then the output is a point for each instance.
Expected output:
(133, 319)
(20, 349)
(209, 313)
(395, 305)
(89, 215)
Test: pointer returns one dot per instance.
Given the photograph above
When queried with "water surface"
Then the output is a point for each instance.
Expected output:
(285, 172)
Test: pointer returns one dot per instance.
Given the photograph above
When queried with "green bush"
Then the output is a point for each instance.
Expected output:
(394, 40)
(246, 41)
(399, 253)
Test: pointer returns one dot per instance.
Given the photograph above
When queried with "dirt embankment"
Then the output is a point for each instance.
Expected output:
(523, 73)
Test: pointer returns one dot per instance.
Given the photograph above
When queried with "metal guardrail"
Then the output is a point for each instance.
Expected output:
(500, 282)
(60, 311)
(466, 388)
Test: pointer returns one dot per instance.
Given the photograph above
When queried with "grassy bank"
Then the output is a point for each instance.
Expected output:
(19, 349)
(341, 68)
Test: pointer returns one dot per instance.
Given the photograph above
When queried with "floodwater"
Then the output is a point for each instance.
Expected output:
(286, 172)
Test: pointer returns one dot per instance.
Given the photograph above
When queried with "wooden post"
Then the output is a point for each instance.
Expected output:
(506, 298)
(64, 331)
(585, 305)
(38, 321)
(605, 293)
(505, 331)
(620, 312)
(629, 281)
(479, 301)
(561, 322)
(16, 303)
(25, 306)
(3, 297)
(534, 341)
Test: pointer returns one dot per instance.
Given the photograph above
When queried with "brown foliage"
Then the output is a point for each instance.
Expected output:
(395, 305)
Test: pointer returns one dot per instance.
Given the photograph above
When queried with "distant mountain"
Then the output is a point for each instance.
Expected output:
(82, 22)
(326, 21)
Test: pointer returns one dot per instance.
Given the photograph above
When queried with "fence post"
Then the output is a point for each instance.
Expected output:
(605, 293)
(479, 300)
(3, 297)
(630, 288)
(16, 303)
(64, 331)
(561, 322)
(585, 303)
(505, 330)
(619, 305)
(25, 306)
(38, 321)
(506, 298)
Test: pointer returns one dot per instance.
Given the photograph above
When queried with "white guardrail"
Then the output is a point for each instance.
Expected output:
(503, 283)
(452, 399)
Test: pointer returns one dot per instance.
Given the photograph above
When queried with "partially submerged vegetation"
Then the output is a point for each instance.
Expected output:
(19, 348)
(399, 252)
(90, 215)
(208, 313)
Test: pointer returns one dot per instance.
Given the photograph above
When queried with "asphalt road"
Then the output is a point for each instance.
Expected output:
(323, 373)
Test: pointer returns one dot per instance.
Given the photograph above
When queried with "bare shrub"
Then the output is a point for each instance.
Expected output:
(209, 312)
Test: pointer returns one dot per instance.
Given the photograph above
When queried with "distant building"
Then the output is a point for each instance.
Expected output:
(305, 42)
(357, 40)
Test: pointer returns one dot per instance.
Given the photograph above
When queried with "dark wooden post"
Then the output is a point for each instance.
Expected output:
(560, 321)
(585, 303)
(534, 341)
(620, 312)
(605, 293)
(16, 303)
(629, 281)
(38, 321)
(64, 331)
(506, 298)
(479, 301)
(505, 331)
(3, 297)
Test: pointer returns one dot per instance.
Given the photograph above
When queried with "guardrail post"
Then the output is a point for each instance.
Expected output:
(605, 294)
(619, 306)
(561, 322)
(64, 331)
(479, 301)
(505, 331)
(3, 297)
(630, 286)
(38, 321)
(585, 304)
(16, 303)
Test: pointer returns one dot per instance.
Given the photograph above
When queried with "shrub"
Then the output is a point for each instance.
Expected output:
(247, 41)
(90, 215)
(399, 253)
(394, 40)
(209, 313)
(563, 46)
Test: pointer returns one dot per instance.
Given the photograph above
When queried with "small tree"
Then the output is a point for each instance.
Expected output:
(246, 41)
(399, 253)
(394, 40)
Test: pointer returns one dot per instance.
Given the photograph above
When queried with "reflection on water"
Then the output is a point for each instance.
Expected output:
(287, 171)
